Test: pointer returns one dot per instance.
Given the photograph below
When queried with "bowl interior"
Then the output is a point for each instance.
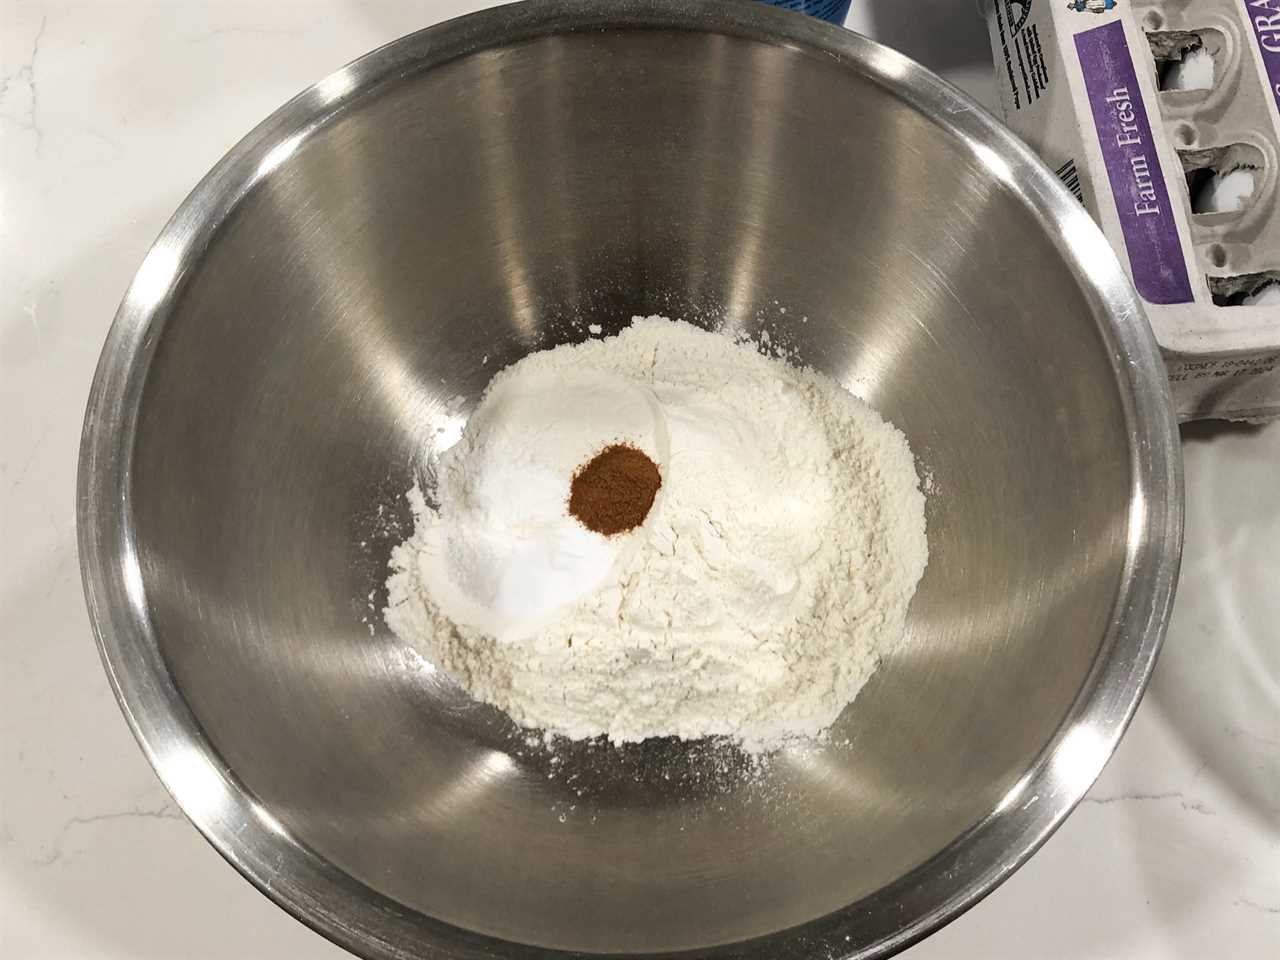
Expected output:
(349, 312)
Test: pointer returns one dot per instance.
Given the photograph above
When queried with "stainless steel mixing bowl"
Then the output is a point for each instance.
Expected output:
(334, 296)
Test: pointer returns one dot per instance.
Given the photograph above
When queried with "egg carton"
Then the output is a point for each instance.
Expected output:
(1163, 117)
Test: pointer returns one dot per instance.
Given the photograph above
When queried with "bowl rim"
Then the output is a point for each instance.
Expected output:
(371, 924)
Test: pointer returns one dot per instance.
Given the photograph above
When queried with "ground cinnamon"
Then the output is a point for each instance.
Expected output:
(613, 492)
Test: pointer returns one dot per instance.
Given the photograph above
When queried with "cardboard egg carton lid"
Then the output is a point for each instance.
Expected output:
(1163, 117)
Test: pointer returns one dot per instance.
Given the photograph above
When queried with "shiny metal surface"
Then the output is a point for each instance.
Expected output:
(293, 345)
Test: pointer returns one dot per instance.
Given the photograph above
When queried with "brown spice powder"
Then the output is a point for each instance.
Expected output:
(614, 491)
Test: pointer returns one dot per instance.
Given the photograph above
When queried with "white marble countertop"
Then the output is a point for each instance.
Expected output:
(109, 113)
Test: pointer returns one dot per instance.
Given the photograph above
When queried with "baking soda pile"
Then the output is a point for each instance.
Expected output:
(784, 541)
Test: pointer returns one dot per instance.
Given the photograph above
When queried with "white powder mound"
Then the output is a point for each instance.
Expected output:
(503, 554)
(774, 569)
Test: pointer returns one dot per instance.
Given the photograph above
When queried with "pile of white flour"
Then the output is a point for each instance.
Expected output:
(774, 568)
